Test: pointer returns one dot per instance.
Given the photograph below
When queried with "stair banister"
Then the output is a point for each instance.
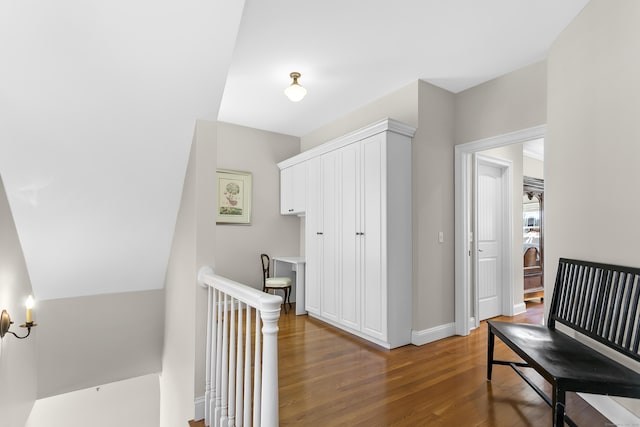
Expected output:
(231, 398)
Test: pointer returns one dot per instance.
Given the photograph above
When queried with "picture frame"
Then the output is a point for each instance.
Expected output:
(234, 197)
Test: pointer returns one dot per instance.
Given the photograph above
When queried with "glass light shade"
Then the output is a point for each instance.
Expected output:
(295, 92)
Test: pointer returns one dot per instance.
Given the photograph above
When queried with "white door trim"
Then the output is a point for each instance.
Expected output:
(463, 188)
(506, 239)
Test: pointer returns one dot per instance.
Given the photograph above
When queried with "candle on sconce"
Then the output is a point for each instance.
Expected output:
(29, 306)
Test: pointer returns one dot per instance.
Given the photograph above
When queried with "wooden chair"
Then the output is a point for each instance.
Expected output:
(531, 257)
(533, 286)
(275, 283)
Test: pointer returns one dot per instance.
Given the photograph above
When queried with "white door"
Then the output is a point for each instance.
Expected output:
(330, 239)
(313, 237)
(349, 233)
(373, 220)
(489, 234)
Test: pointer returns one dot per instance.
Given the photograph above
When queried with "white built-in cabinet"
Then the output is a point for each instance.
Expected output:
(292, 189)
(358, 232)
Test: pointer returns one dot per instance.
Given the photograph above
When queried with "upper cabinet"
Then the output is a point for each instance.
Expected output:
(293, 189)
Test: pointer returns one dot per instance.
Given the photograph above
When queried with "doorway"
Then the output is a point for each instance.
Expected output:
(466, 301)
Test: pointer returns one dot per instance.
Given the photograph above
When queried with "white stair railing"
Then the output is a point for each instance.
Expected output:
(233, 397)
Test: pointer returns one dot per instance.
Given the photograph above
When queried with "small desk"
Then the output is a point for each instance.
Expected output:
(293, 267)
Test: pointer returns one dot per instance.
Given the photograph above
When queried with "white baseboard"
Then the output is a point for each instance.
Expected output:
(433, 334)
(199, 408)
(615, 412)
(519, 308)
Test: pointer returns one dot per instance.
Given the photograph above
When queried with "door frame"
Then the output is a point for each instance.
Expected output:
(463, 154)
(506, 235)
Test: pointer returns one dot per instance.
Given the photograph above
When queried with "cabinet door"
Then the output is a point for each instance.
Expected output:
(292, 189)
(350, 238)
(313, 240)
(286, 191)
(299, 188)
(330, 244)
(373, 216)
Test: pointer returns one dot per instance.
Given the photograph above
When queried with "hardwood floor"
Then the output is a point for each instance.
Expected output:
(330, 378)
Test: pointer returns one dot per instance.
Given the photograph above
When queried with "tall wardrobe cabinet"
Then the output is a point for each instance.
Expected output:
(358, 232)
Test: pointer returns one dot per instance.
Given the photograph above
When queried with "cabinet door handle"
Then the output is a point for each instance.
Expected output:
(290, 210)
(359, 233)
(319, 233)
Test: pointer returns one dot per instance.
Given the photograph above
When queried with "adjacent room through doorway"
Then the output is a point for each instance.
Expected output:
(492, 226)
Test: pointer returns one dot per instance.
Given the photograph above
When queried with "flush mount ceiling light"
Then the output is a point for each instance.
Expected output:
(295, 92)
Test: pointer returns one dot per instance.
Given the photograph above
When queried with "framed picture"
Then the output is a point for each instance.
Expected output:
(234, 197)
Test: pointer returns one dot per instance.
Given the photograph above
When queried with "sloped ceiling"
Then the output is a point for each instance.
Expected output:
(98, 102)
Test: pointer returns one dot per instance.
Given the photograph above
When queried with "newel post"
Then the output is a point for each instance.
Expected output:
(270, 402)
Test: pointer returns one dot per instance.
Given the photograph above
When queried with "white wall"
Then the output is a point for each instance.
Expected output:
(238, 247)
(131, 403)
(401, 105)
(91, 340)
(433, 209)
(592, 146)
(205, 210)
(178, 356)
(506, 104)
(532, 167)
(18, 380)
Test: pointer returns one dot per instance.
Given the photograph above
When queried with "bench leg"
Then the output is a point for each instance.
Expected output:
(558, 407)
(490, 345)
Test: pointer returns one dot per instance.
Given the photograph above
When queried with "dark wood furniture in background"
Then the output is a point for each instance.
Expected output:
(533, 274)
(534, 256)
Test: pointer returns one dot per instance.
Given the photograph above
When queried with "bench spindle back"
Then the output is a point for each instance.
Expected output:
(599, 301)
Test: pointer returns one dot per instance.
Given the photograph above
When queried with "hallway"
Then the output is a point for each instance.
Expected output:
(330, 378)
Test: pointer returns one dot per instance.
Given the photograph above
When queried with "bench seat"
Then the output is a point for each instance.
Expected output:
(562, 359)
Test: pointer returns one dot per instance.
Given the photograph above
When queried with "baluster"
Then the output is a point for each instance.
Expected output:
(224, 388)
(247, 369)
(207, 387)
(232, 365)
(218, 382)
(213, 350)
(257, 374)
(239, 369)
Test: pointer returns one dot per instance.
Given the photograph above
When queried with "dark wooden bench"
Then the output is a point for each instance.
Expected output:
(599, 301)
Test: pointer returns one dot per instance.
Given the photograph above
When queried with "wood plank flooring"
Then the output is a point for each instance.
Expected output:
(331, 378)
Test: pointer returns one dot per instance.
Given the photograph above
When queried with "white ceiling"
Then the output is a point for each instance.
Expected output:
(98, 101)
(353, 52)
(534, 149)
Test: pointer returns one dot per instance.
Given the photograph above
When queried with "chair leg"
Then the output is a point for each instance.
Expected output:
(289, 299)
(284, 300)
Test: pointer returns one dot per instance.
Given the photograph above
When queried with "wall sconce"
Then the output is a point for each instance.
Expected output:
(295, 92)
(5, 321)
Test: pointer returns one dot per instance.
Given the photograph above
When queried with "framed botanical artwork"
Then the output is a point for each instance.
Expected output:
(234, 197)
